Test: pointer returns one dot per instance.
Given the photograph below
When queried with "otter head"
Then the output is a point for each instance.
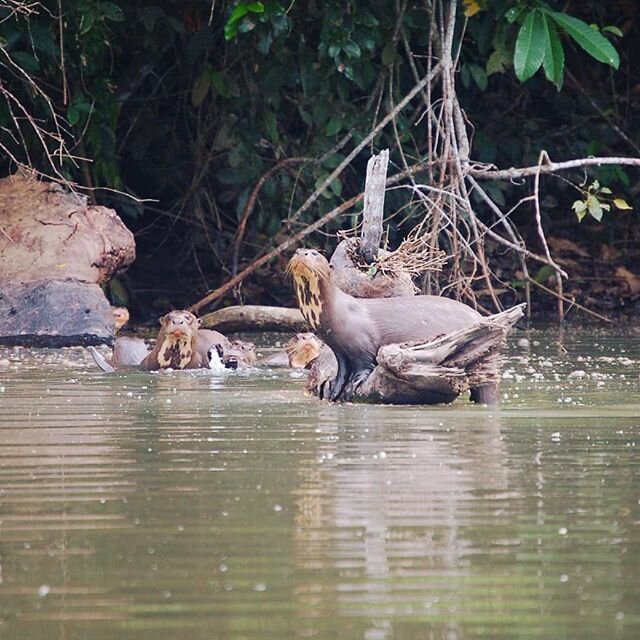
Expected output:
(120, 316)
(311, 272)
(176, 340)
(245, 352)
(302, 350)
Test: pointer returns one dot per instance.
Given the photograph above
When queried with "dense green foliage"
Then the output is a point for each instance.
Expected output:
(190, 103)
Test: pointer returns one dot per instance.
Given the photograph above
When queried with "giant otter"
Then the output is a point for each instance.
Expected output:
(180, 344)
(355, 328)
(302, 350)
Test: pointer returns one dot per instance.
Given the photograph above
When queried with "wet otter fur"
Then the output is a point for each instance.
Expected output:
(180, 344)
(355, 328)
(302, 350)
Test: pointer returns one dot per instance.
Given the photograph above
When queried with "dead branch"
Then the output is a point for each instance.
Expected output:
(548, 167)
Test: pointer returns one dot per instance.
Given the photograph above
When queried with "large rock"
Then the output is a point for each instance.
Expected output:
(55, 314)
(55, 251)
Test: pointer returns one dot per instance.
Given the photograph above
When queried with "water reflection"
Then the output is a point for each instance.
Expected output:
(191, 505)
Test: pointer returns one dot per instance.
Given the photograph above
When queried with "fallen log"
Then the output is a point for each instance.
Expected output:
(254, 318)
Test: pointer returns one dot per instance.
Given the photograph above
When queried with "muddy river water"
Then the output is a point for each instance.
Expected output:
(200, 506)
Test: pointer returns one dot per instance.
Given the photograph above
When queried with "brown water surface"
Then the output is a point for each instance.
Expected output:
(199, 506)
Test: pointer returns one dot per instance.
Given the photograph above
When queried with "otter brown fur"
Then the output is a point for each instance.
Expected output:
(180, 344)
(302, 350)
(355, 328)
(120, 317)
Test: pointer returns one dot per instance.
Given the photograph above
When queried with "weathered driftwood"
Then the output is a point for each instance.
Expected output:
(373, 208)
(353, 259)
(431, 372)
(254, 318)
(352, 280)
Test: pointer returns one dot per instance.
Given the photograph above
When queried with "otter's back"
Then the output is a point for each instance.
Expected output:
(410, 318)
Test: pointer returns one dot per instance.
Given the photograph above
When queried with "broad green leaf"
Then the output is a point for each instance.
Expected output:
(220, 84)
(513, 14)
(592, 41)
(595, 209)
(544, 273)
(606, 190)
(200, 88)
(112, 11)
(479, 76)
(318, 184)
(231, 26)
(334, 126)
(73, 115)
(25, 61)
(352, 49)
(619, 203)
(553, 62)
(530, 46)
(614, 30)
(389, 53)
(580, 207)
(86, 22)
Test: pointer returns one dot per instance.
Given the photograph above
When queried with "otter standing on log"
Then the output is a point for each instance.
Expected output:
(355, 328)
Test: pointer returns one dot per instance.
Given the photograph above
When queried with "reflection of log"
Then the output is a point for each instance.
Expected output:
(430, 372)
(255, 318)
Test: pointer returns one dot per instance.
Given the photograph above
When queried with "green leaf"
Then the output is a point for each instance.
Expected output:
(499, 60)
(580, 207)
(606, 190)
(479, 76)
(352, 49)
(334, 126)
(389, 53)
(318, 184)
(25, 61)
(614, 30)
(86, 22)
(112, 11)
(530, 46)
(513, 14)
(544, 273)
(73, 115)
(592, 41)
(220, 84)
(619, 203)
(595, 209)
(200, 88)
(553, 62)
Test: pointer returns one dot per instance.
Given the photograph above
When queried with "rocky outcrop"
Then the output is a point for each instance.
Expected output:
(55, 251)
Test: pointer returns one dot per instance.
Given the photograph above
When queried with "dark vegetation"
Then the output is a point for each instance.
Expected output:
(189, 106)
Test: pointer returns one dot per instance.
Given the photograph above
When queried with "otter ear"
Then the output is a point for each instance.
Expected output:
(163, 319)
(198, 322)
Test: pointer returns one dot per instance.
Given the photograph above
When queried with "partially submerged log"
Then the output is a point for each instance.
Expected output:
(254, 318)
(55, 251)
(431, 372)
